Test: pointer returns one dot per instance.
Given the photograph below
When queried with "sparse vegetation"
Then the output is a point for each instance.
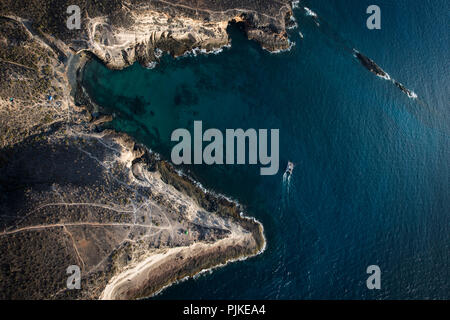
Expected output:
(65, 197)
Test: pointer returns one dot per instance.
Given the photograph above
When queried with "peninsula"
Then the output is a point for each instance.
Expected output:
(74, 193)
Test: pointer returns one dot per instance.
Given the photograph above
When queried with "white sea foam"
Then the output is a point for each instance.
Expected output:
(412, 95)
(291, 45)
(294, 25)
(151, 65)
(386, 76)
(309, 12)
(295, 4)
(158, 53)
(196, 51)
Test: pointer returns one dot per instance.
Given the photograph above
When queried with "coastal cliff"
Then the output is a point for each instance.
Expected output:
(73, 193)
(121, 32)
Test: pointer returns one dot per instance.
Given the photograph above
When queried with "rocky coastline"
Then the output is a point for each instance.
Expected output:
(76, 194)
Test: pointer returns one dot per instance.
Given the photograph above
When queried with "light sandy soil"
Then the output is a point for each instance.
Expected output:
(131, 279)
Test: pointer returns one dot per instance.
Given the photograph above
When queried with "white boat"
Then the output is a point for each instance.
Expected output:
(289, 168)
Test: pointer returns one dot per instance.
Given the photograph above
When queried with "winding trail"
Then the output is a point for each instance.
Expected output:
(70, 224)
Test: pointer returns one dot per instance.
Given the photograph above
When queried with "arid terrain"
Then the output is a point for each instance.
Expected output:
(72, 193)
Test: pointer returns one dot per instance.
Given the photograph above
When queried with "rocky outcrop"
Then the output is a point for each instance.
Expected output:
(370, 65)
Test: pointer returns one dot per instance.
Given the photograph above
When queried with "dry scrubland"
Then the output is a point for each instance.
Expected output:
(73, 193)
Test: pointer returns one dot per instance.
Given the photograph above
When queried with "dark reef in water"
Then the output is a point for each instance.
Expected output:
(410, 93)
(370, 65)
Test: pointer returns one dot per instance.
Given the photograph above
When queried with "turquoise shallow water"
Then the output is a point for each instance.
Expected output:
(371, 183)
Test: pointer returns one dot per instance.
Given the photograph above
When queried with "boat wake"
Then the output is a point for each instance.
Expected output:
(286, 190)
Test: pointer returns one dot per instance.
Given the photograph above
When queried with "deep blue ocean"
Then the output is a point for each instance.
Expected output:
(372, 176)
